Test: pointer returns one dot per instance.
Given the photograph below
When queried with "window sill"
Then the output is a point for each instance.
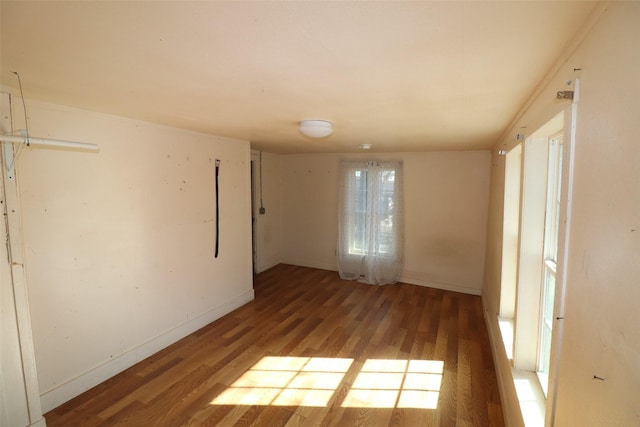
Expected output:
(506, 332)
(530, 396)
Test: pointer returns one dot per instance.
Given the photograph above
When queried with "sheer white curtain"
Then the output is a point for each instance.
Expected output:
(370, 222)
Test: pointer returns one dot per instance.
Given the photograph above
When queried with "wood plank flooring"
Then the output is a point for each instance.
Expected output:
(312, 350)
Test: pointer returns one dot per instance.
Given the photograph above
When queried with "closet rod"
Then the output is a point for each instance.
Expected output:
(48, 142)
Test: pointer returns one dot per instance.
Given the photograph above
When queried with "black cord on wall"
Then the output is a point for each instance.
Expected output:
(262, 210)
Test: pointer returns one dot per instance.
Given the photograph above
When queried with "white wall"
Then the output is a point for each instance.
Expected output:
(600, 327)
(446, 202)
(119, 245)
(602, 336)
(269, 225)
(310, 210)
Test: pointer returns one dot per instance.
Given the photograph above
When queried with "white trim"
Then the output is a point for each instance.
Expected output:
(408, 280)
(442, 286)
(21, 389)
(311, 264)
(531, 257)
(513, 166)
(266, 265)
(521, 397)
(564, 234)
(63, 392)
(39, 423)
(504, 371)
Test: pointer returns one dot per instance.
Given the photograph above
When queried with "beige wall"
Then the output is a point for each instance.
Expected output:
(119, 244)
(446, 202)
(600, 329)
(310, 210)
(269, 225)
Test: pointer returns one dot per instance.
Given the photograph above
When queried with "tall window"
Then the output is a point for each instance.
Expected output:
(550, 251)
(370, 223)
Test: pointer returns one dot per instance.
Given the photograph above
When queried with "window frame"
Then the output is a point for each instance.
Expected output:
(550, 258)
(357, 241)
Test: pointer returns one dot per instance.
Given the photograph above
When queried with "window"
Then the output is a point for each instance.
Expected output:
(541, 183)
(370, 221)
(510, 242)
(359, 212)
(550, 251)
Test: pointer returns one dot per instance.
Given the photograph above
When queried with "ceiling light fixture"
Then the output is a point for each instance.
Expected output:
(316, 128)
(365, 146)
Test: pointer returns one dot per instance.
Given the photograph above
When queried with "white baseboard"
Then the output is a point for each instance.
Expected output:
(72, 388)
(39, 423)
(266, 265)
(312, 264)
(409, 280)
(443, 286)
(504, 372)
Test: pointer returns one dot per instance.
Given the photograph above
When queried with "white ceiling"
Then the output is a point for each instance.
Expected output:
(403, 76)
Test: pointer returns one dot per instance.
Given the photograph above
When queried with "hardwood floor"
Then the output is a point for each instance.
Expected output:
(312, 350)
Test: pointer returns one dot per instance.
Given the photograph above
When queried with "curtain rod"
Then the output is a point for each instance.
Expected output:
(45, 142)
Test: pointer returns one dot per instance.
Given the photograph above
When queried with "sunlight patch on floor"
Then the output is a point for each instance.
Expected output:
(313, 381)
(396, 384)
(287, 381)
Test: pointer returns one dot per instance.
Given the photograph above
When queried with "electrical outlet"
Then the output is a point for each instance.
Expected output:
(262, 211)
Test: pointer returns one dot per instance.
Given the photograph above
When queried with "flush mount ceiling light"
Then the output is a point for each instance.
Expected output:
(365, 146)
(316, 128)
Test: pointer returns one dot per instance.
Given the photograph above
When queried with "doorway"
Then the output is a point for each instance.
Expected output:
(254, 219)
